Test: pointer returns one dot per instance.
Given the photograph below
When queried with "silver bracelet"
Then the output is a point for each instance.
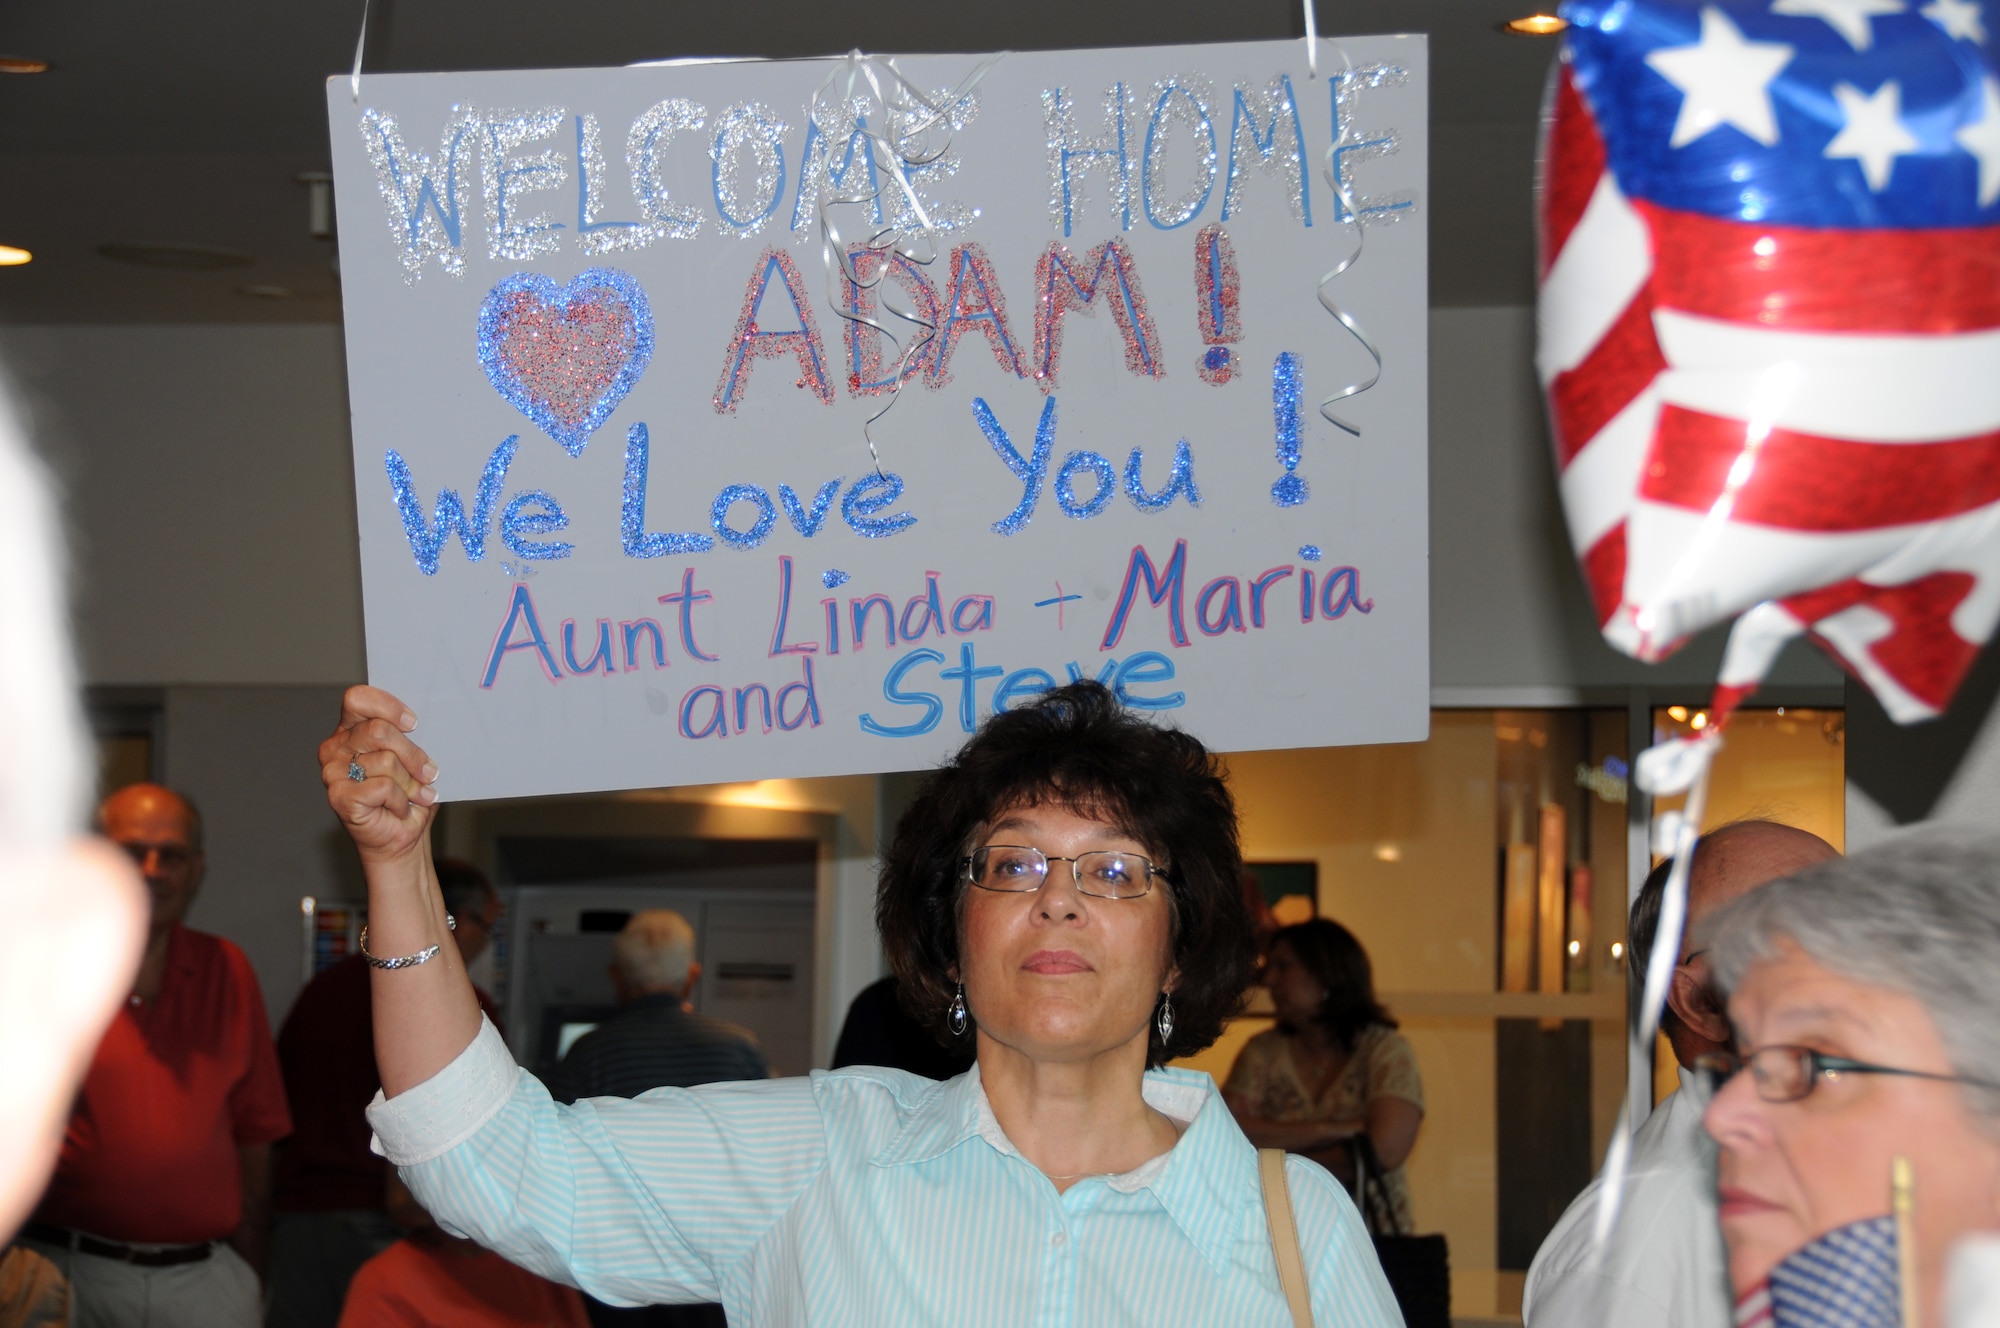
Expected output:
(423, 956)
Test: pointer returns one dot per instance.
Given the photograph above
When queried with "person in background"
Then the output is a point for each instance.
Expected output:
(655, 1041)
(72, 911)
(432, 1280)
(1665, 1268)
(159, 1209)
(331, 1206)
(879, 1031)
(1867, 1022)
(1334, 1069)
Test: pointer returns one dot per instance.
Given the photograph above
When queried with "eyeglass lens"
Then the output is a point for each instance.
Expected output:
(1779, 1074)
(1112, 875)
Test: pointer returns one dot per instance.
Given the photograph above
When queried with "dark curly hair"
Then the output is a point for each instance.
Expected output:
(1076, 748)
(1332, 954)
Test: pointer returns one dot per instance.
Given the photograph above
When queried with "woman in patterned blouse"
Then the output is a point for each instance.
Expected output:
(1333, 1069)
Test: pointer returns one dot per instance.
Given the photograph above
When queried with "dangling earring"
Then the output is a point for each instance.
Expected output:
(1164, 1021)
(956, 1015)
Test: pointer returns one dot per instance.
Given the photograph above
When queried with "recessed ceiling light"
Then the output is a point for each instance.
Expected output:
(12, 257)
(23, 64)
(1535, 25)
(266, 292)
(178, 256)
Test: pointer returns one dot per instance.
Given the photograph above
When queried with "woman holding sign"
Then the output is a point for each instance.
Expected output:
(1064, 893)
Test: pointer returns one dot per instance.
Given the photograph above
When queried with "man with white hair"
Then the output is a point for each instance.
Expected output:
(655, 1041)
(1664, 1267)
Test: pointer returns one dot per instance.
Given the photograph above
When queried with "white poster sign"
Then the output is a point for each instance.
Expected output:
(625, 519)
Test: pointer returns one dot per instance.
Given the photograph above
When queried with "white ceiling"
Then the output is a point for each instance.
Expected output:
(188, 122)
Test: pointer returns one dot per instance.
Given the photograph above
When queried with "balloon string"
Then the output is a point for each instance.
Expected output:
(1351, 215)
(1666, 769)
(906, 140)
(1312, 42)
(361, 43)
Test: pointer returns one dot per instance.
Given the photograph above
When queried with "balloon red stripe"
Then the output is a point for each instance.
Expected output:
(1604, 572)
(1805, 481)
(1570, 171)
(1873, 281)
(1925, 655)
(1618, 368)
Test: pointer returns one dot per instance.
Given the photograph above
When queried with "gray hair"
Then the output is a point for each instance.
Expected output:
(1919, 914)
(655, 949)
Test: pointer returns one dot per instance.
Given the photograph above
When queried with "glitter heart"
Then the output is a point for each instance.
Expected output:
(565, 356)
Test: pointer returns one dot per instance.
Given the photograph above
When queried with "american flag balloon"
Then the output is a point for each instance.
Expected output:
(1770, 329)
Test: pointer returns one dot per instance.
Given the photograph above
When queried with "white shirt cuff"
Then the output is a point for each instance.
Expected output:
(449, 1107)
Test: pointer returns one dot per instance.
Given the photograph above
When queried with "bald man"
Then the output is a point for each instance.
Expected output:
(157, 1213)
(1665, 1267)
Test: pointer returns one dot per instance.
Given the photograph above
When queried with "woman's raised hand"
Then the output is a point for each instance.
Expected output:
(388, 812)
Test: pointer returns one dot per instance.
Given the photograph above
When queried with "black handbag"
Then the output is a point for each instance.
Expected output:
(1418, 1267)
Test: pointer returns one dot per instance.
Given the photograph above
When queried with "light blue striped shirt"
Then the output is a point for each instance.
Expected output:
(866, 1197)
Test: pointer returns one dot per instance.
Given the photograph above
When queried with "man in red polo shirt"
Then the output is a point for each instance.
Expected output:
(158, 1212)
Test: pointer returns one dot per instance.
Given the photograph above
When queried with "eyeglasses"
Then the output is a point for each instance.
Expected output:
(1789, 1074)
(171, 857)
(1018, 869)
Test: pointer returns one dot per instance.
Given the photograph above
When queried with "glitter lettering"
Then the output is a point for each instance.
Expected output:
(1180, 480)
(1218, 303)
(749, 125)
(1278, 110)
(752, 342)
(1059, 290)
(427, 537)
(867, 376)
(974, 303)
(1181, 100)
(1030, 469)
(651, 133)
(534, 512)
(1072, 157)
(426, 203)
(509, 237)
(632, 533)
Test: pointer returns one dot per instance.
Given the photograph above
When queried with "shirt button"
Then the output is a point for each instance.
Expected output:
(1060, 1239)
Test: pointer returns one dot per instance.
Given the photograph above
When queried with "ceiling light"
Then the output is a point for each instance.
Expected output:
(1388, 853)
(1700, 720)
(177, 256)
(12, 257)
(1678, 714)
(1535, 25)
(22, 64)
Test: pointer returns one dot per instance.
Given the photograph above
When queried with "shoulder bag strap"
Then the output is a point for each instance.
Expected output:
(1284, 1235)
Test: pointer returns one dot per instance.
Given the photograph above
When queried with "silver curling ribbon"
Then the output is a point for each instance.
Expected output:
(1350, 215)
(903, 129)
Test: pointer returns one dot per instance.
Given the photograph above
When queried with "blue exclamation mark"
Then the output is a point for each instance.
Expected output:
(1287, 390)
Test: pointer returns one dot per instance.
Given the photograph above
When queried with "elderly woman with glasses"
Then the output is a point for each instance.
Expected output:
(1064, 894)
(1865, 996)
